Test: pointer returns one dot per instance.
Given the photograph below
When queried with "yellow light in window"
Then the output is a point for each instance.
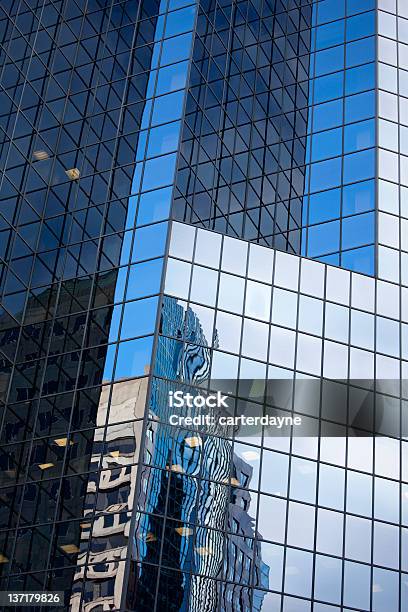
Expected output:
(86, 525)
(70, 549)
(150, 537)
(115, 453)
(63, 442)
(3, 558)
(73, 174)
(232, 481)
(250, 455)
(204, 551)
(177, 468)
(40, 155)
(184, 531)
(45, 466)
(193, 441)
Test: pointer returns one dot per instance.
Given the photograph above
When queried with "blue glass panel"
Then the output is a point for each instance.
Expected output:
(180, 21)
(361, 106)
(329, 60)
(358, 230)
(139, 318)
(359, 260)
(328, 579)
(327, 115)
(359, 136)
(328, 87)
(149, 241)
(115, 322)
(163, 139)
(159, 171)
(359, 166)
(168, 107)
(176, 49)
(109, 361)
(324, 206)
(358, 198)
(325, 174)
(360, 52)
(330, 34)
(323, 238)
(359, 6)
(385, 596)
(172, 78)
(360, 26)
(134, 358)
(357, 585)
(154, 206)
(360, 79)
(326, 144)
(144, 279)
(329, 10)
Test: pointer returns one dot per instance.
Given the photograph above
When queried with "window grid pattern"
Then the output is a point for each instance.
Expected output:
(339, 208)
(310, 497)
(241, 169)
(93, 94)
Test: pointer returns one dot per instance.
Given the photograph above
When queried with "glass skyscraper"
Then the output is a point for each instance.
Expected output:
(197, 195)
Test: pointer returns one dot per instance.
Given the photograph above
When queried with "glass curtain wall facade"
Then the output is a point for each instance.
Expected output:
(170, 171)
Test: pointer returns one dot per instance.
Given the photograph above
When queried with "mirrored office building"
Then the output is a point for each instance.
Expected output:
(204, 199)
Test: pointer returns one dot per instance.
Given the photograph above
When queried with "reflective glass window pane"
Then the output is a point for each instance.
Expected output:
(272, 518)
(255, 339)
(310, 315)
(312, 278)
(362, 329)
(338, 285)
(149, 241)
(336, 322)
(182, 241)
(231, 293)
(139, 318)
(208, 248)
(284, 308)
(385, 590)
(331, 487)
(144, 279)
(330, 532)
(309, 354)
(386, 545)
(204, 285)
(303, 480)
(177, 278)
(359, 493)
(133, 358)
(358, 539)
(301, 525)
(154, 206)
(282, 347)
(286, 270)
(328, 579)
(234, 256)
(298, 572)
(228, 332)
(274, 477)
(260, 263)
(357, 585)
(386, 500)
(258, 301)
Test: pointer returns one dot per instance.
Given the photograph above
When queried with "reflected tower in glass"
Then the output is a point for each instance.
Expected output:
(194, 191)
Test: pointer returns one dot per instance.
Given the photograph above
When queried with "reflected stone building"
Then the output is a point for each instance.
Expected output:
(199, 193)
